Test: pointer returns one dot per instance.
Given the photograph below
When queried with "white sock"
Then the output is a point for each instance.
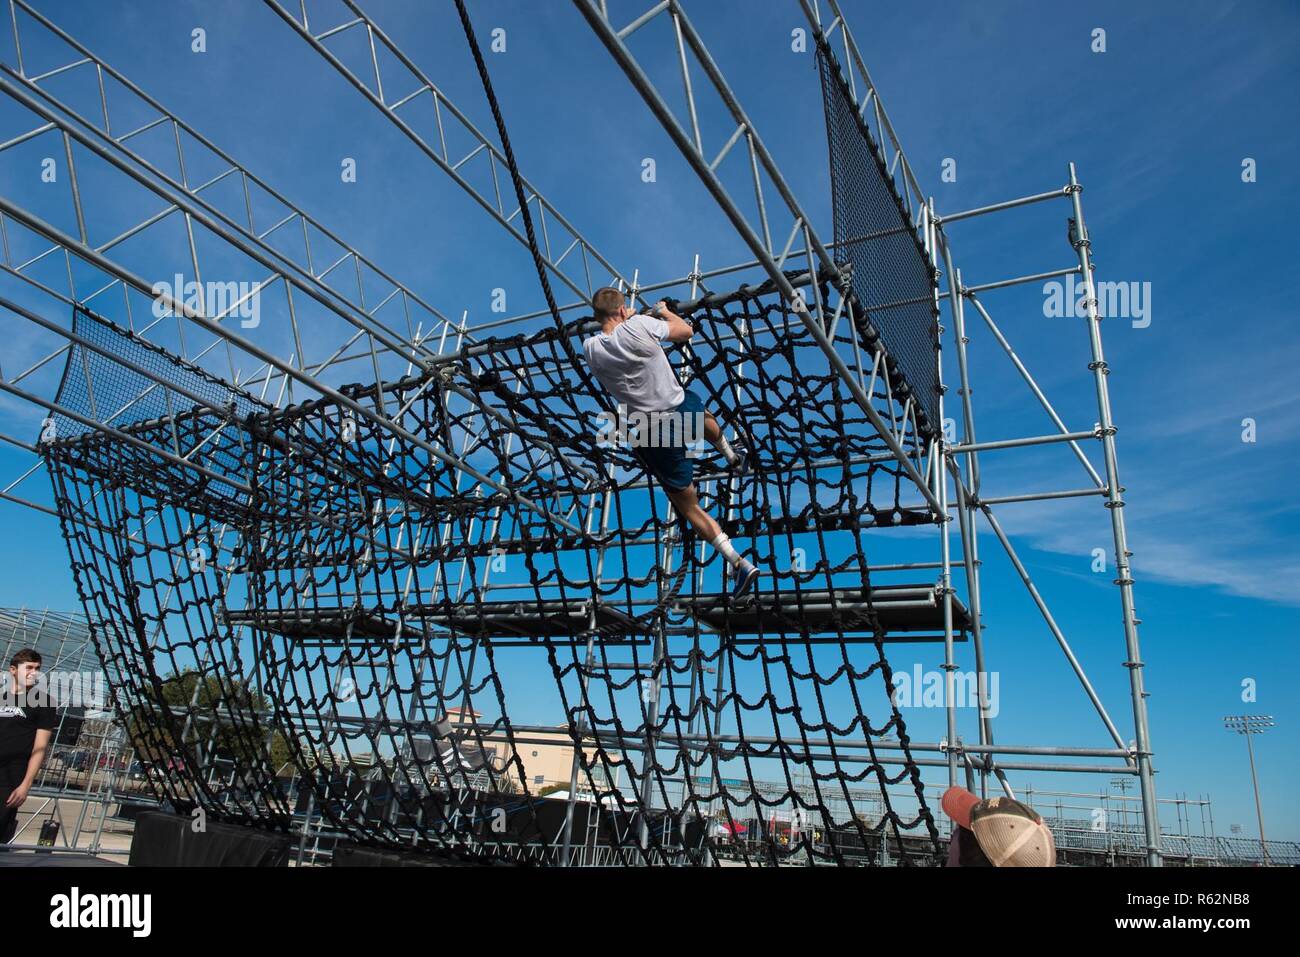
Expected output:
(723, 544)
(727, 451)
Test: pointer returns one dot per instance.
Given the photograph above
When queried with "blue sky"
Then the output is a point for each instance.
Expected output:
(1158, 125)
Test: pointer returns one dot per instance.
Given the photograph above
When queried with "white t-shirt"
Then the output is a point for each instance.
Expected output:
(632, 365)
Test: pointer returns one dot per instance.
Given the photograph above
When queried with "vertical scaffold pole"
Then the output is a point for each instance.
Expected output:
(965, 507)
(939, 476)
(1115, 502)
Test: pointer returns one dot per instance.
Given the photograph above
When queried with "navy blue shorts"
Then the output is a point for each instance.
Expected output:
(668, 461)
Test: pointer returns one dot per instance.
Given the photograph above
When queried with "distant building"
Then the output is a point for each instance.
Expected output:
(547, 759)
(546, 756)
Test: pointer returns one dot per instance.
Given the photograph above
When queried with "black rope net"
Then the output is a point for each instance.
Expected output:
(451, 612)
(148, 519)
(371, 612)
(876, 237)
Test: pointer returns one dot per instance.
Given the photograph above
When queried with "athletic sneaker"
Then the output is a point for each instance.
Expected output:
(746, 575)
(741, 465)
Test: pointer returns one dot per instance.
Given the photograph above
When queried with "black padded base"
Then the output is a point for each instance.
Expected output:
(168, 840)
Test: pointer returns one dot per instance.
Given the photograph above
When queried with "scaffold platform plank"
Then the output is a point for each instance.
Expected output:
(909, 609)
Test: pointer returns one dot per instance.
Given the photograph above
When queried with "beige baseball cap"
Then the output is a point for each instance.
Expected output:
(1010, 834)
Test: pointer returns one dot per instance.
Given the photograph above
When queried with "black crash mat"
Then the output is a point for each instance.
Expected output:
(167, 840)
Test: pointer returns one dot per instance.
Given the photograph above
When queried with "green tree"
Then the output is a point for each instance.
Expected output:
(222, 722)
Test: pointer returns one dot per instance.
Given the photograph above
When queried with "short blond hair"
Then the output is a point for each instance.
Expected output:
(607, 301)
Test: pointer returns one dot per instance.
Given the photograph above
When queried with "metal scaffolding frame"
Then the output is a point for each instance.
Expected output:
(936, 467)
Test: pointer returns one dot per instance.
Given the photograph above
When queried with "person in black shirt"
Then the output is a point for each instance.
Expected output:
(26, 727)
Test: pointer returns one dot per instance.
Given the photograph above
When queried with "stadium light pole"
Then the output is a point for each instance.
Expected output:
(1250, 724)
